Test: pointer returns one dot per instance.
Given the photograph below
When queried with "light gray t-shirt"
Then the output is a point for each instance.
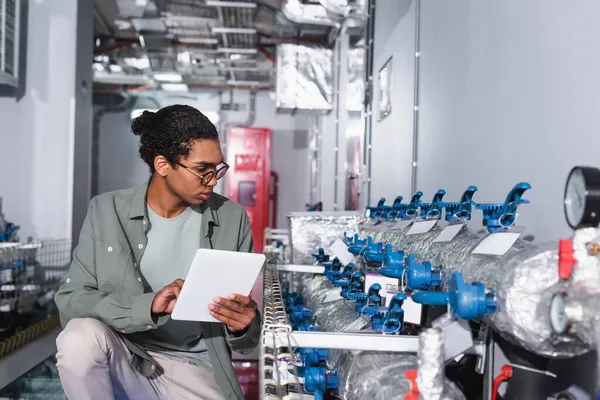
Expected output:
(172, 244)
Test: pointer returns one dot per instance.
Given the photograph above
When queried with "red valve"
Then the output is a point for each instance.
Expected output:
(566, 258)
(504, 375)
(411, 375)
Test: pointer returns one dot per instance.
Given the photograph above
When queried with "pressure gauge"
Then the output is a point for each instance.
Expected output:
(582, 197)
(558, 318)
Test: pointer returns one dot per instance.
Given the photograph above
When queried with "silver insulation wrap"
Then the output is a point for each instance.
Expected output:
(356, 82)
(524, 280)
(430, 378)
(302, 13)
(304, 78)
(312, 230)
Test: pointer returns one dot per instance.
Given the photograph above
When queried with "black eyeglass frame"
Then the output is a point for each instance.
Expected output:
(208, 176)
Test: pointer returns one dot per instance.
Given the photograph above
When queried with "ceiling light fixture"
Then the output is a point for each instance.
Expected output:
(168, 77)
(175, 87)
(238, 51)
(243, 31)
(230, 4)
(192, 40)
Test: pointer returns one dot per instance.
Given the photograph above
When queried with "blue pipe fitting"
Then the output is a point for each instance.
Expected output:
(413, 206)
(348, 240)
(466, 301)
(502, 215)
(374, 251)
(346, 274)
(11, 229)
(311, 356)
(318, 379)
(353, 286)
(321, 257)
(332, 268)
(372, 298)
(398, 209)
(357, 246)
(394, 317)
(422, 276)
(379, 212)
(393, 263)
(433, 209)
(461, 210)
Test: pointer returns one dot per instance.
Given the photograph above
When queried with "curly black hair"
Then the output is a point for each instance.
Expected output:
(170, 132)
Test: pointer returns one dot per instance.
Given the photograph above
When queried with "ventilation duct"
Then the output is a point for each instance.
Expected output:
(9, 42)
(311, 14)
(304, 78)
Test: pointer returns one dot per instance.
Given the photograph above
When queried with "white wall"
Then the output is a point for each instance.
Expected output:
(392, 137)
(36, 133)
(120, 166)
(509, 92)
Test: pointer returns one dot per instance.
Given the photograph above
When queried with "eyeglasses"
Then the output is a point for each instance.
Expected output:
(208, 176)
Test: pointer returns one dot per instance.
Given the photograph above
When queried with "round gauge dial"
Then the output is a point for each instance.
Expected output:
(558, 318)
(582, 197)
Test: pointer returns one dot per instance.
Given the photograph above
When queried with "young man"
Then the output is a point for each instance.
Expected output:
(135, 248)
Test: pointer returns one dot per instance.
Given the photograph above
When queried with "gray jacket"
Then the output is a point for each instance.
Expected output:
(104, 280)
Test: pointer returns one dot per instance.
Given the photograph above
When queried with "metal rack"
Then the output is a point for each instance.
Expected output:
(29, 276)
(277, 361)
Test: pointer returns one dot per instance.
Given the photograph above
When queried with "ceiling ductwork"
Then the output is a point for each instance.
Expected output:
(213, 43)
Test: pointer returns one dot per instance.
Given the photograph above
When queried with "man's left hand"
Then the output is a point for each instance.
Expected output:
(236, 312)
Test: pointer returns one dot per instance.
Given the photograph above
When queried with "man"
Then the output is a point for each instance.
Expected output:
(135, 248)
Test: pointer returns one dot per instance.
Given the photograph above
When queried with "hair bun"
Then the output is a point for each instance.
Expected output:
(143, 123)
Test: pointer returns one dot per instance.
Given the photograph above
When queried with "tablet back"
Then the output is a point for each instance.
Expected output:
(215, 273)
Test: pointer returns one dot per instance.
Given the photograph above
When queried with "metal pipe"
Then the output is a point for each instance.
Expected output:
(415, 149)
(369, 98)
(274, 199)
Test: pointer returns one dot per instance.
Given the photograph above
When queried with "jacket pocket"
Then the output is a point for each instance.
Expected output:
(112, 261)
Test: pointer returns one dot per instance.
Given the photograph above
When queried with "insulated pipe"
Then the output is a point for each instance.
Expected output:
(524, 281)
(415, 144)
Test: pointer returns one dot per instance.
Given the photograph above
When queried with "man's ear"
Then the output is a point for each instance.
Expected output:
(162, 166)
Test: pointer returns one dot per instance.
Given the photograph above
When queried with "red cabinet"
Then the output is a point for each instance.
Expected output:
(249, 176)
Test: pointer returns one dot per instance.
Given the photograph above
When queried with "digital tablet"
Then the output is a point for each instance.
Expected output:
(215, 273)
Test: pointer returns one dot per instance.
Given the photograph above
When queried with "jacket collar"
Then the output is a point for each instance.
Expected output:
(139, 210)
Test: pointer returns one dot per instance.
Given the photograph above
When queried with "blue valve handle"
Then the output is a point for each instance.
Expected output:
(372, 297)
(374, 251)
(393, 263)
(377, 208)
(394, 318)
(350, 239)
(345, 277)
(321, 257)
(461, 210)
(332, 268)
(500, 216)
(380, 211)
(353, 287)
(398, 209)
(421, 276)
(433, 209)
(465, 301)
(319, 379)
(415, 203)
(357, 246)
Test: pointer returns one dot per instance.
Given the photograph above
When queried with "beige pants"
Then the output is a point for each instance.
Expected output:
(93, 364)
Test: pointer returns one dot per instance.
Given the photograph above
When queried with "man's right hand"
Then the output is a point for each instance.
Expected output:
(165, 300)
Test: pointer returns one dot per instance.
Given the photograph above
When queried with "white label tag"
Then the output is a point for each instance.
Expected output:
(448, 233)
(497, 244)
(332, 295)
(457, 335)
(401, 224)
(340, 250)
(412, 311)
(422, 227)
